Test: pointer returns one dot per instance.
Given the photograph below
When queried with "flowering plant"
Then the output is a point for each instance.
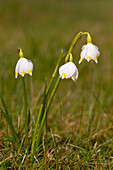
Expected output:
(66, 71)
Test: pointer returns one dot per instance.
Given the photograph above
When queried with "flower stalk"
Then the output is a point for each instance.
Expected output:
(74, 42)
(25, 100)
(46, 111)
(52, 94)
(72, 72)
(24, 66)
(25, 110)
(42, 105)
(55, 71)
(50, 98)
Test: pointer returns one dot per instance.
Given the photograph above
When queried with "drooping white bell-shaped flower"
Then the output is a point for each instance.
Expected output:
(68, 70)
(89, 52)
(23, 66)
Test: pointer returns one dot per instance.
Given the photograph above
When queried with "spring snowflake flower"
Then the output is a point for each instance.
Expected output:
(89, 52)
(23, 66)
(68, 70)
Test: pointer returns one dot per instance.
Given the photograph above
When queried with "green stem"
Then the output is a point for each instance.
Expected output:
(46, 111)
(55, 71)
(53, 93)
(41, 107)
(44, 117)
(25, 98)
(36, 127)
(78, 36)
(25, 109)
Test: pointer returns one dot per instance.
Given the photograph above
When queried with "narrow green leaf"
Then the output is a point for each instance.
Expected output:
(6, 115)
(46, 111)
(9, 138)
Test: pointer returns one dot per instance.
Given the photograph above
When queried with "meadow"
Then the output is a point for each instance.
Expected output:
(79, 128)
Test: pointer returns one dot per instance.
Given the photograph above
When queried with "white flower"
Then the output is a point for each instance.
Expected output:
(68, 70)
(89, 52)
(23, 66)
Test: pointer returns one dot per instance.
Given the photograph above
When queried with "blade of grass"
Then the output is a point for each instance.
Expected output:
(9, 121)
(4, 105)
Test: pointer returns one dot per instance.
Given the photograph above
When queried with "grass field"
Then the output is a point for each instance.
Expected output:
(79, 133)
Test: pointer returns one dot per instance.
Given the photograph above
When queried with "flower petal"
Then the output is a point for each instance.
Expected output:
(67, 70)
(17, 69)
(89, 52)
(23, 67)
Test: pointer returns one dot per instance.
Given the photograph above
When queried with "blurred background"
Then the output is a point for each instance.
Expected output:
(42, 28)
